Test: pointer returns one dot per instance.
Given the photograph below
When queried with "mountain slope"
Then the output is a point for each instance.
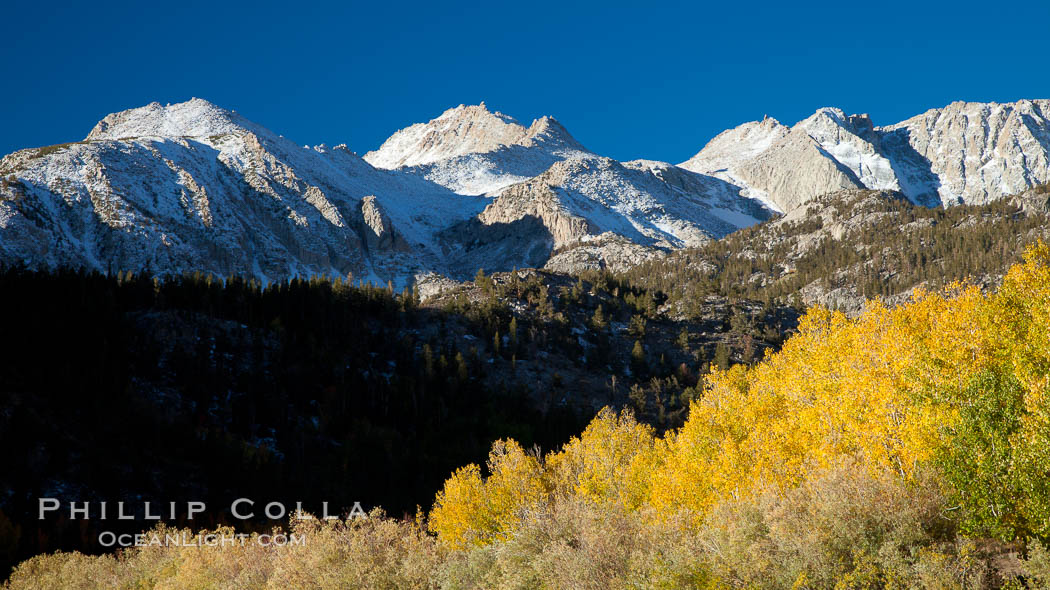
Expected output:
(585, 202)
(842, 248)
(648, 202)
(551, 193)
(968, 153)
(193, 187)
(977, 152)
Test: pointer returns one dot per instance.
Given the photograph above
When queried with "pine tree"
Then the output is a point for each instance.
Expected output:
(637, 326)
(483, 282)
(721, 359)
(461, 367)
(598, 319)
(638, 357)
(513, 334)
(428, 360)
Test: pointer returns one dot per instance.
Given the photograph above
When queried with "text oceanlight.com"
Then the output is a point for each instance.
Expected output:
(185, 539)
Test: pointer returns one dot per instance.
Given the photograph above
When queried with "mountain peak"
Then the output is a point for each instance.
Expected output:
(467, 129)
(831, 112)
(829, 122)
(549, 132)
(735, 145)
(194, 118)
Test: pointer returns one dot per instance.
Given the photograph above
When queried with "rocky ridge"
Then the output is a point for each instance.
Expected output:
(194, 187)
(964, 153)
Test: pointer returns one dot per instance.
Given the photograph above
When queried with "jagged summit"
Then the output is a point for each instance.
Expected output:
(472, 150)
(548, 132)
(475, 110)
(467, 129)
(194, 118)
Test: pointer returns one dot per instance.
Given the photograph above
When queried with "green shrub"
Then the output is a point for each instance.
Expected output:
(995, 471)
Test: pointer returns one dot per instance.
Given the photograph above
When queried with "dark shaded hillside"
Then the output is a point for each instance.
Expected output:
(132, 388)
(191, 390)
(596, 340)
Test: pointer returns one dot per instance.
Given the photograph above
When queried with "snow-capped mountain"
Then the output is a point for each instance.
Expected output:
(652, 203)
(962, 153)
(583, 202)
(192, 186)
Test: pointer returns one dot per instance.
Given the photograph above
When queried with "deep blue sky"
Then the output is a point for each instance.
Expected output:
(629, 79)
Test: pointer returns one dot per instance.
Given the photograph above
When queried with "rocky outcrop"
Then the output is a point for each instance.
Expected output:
(538, 198)
(430, 285)
(379, 232)
(605, 252)
(650, 203)
(1034, 201)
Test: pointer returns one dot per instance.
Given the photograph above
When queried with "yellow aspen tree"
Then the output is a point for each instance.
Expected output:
(471, 509)
(609, 461)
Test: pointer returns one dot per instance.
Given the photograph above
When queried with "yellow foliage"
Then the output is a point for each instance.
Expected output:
(876, 391)
(610, 461)
(840, 389)
(473, 510)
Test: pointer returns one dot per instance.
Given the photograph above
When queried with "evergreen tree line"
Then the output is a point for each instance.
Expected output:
(894, 247)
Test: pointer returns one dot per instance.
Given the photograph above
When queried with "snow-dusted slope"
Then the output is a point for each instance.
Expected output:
(554, 193)
(963, 153)
(733, 147)
(475, 151)
(586, 203)
(651, 203)
(192, 186)
(195, 187)
(852, 142)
